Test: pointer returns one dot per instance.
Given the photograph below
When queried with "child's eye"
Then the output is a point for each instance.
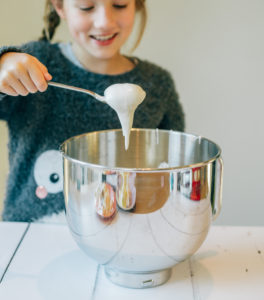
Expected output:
(119, 6)
(86, 8)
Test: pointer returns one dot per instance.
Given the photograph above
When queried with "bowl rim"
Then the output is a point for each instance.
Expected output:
(141, 170)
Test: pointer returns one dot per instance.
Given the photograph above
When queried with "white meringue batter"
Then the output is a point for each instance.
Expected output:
(124, 98)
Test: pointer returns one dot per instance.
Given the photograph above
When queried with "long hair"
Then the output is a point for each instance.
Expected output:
(141, 8)
(51, 22)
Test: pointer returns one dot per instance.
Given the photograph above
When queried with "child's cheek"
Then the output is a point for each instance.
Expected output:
(77, 22)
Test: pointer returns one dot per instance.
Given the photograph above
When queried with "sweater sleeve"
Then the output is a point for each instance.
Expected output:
(6, 49)
(7, 105)
(7, 102)
(174, 116)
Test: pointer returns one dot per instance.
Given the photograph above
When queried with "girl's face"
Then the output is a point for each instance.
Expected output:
(99, 27)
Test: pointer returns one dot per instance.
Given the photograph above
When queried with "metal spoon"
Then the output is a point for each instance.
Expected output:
(77, 89)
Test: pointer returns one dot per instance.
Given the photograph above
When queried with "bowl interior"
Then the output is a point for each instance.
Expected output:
(148, 149)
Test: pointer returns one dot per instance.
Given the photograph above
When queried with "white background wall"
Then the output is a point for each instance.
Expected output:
(215, 51)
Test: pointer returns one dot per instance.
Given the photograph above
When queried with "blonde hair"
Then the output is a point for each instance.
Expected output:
(52, 21)
(142, 10)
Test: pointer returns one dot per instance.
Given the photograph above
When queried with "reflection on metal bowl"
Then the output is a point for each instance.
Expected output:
(139, 212)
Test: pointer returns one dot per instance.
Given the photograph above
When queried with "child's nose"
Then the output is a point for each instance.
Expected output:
(104, 18)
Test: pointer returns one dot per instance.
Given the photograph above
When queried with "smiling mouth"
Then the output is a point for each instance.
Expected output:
(103, 38)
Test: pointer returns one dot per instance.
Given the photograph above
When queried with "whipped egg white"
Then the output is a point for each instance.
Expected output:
(124, 98)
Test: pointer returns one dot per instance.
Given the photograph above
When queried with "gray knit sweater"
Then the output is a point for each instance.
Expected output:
(39, 123)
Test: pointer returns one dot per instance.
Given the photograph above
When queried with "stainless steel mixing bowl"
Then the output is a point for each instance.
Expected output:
(140, 212)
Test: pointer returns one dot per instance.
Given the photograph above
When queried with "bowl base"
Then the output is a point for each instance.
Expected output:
(137, 280)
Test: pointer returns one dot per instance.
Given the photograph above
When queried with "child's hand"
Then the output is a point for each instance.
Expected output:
(21, 74)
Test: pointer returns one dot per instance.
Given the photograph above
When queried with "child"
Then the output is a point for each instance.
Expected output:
(39, 118)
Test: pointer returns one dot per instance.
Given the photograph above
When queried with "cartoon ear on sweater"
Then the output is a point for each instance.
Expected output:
(48, 173)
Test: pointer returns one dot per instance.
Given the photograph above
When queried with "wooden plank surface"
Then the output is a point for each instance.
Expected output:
(49, 265)
(10, 236)
(230, 264)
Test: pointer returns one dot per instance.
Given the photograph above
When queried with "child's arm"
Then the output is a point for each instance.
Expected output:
(21, 74)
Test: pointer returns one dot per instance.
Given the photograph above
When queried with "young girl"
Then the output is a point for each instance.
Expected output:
(39, 118)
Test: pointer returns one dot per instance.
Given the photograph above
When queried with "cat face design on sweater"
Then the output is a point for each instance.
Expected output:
(48, 173)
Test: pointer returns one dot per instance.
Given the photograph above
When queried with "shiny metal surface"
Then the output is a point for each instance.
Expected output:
(141, 211)
(138, 280)
(76, 89)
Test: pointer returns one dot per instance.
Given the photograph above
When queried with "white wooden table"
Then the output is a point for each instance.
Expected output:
(40, 261)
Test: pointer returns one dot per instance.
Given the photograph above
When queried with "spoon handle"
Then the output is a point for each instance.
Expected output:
(77, 89)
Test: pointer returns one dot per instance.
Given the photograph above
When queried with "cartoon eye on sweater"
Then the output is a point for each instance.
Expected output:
(48, 173)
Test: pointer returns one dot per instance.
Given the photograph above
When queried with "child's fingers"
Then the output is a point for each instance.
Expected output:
(12, 83)
(23, 76)
(11, 91)
(28, 84)
(37, 77)
(18, 86)
(44, 70)
(6, 89)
